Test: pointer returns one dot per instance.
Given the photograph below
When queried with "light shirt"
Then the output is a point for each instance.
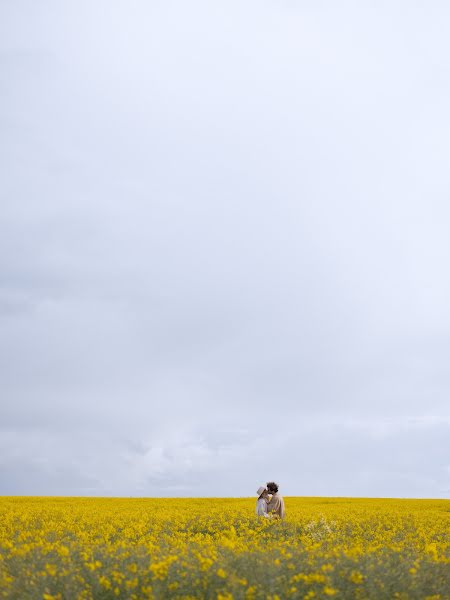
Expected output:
(261, 508)
(276, 506)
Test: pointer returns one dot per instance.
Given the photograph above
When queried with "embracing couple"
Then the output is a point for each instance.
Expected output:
(270, 503)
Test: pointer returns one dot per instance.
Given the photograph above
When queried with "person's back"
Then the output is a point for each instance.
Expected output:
(276, 504)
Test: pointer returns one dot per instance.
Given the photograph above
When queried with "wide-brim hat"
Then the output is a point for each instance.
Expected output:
(260, 490)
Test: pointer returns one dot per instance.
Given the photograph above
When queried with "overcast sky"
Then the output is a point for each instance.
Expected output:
(224, 247)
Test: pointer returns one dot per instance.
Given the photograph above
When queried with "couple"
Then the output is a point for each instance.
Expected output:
(270, 503)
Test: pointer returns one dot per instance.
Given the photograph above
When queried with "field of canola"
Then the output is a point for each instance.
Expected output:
(109, 548)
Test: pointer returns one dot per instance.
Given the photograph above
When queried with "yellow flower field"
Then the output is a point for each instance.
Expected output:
(82, 548)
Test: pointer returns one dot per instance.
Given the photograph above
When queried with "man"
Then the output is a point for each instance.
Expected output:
(276, 504)
(261, 503)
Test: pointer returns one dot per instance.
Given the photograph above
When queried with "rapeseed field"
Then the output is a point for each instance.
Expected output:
(115, 548)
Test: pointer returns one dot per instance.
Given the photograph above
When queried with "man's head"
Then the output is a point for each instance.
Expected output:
(272, 487)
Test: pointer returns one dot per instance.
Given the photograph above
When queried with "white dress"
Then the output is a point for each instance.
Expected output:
(261, 508)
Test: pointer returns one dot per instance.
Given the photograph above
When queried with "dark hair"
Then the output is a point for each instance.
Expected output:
(272, 487)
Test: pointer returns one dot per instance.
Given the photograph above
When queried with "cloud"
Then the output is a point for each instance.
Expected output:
(219, 221)
(385, 458)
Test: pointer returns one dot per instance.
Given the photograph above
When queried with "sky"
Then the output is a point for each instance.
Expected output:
(224, 248)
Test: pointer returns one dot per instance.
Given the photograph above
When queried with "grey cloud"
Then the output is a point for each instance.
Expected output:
(386, 458)
(217, 220)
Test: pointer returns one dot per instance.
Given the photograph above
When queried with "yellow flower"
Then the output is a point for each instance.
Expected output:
(51, 569)
(356, 577)
(136, 547)
(105, 582)
(329, 591)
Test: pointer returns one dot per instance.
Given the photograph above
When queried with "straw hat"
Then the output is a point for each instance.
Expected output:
(260, 490)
